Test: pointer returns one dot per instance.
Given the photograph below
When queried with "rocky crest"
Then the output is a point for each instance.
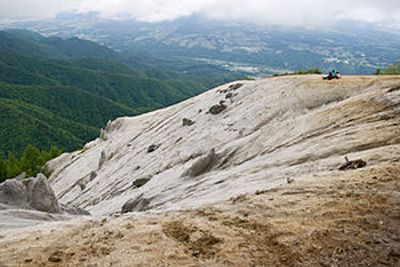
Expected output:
(293, 171)
(268, 132)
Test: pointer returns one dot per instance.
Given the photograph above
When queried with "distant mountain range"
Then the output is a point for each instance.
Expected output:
(60, 92)
(250, 49)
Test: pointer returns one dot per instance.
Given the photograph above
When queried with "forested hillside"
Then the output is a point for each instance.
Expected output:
(392, 69)
(56, 92)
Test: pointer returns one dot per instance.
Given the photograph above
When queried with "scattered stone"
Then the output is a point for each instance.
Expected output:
(229, 95)
(202, 165)
(216, 109)
(187, 122)
(103, 134)
(289, 180)
(235, 86)
(135, 204)
(141, 182)
(353, 164)
(232, 87)
(93, 175)
(200, 110)
(56, 257)
(82, 186)
(129, 226)
(103, 221)
(102, 159)
(152, 148)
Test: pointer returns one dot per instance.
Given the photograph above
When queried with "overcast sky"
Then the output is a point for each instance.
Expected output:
(278, 12)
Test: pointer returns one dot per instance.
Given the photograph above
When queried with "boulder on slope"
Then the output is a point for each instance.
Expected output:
(34, 194)
(135, 204)
(202, 165)
(40, 195)
(13, 194)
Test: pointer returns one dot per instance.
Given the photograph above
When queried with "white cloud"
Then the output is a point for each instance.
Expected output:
(281, 12)
(20, 9)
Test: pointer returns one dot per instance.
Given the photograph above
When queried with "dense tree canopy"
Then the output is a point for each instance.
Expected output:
(31, 162)
(61, 92)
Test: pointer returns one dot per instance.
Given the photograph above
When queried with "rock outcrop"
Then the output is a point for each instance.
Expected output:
(218, 108)
(33, 193)
(40, 195)
(262, 174)
(187, 122)
(275, 130)
(136, 204)
(201, 165)
(13, 194)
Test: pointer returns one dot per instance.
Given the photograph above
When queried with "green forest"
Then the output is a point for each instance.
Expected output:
(31, 162)
(392, 70)
(60, 92)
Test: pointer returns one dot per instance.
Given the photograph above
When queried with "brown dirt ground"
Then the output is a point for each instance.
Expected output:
(349, 218)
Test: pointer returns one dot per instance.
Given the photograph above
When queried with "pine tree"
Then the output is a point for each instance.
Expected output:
(31, 160)
(3, 170)
(54, 152)
(13, 166)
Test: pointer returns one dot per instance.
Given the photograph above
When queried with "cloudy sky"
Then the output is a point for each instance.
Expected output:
(277, 12)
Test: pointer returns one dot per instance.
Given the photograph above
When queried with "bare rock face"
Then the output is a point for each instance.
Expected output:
(232, 87)
(216, 109)
(40, 195)
(75, 210)
(33, 194)
(276, 129)
(152, 148)
(201, 165)
(102, 160)
(13, 193)
(136, 204)
(187, 122)
(141, 181)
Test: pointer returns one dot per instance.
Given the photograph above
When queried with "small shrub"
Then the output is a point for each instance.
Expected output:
(301, 72)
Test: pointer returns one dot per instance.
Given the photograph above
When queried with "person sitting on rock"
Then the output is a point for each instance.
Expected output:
(333, 74)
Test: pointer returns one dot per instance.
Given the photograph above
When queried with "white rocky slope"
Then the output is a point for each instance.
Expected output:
(273, 131)
(286, 134)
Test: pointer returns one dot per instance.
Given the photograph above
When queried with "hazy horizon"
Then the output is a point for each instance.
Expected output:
(309, 13)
